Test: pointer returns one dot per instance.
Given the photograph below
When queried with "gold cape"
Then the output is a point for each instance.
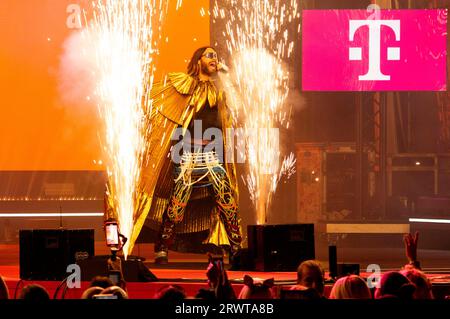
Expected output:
(174, 103)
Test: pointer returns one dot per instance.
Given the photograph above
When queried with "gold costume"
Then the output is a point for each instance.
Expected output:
(175, 103)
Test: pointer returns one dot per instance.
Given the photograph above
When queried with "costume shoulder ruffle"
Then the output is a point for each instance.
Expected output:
(182, 82)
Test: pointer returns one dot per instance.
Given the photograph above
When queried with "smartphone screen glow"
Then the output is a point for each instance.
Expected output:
(112, 235)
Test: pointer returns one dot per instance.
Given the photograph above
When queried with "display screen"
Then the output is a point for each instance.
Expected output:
(112, 235)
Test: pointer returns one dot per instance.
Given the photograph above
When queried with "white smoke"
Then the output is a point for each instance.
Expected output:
(77, 79)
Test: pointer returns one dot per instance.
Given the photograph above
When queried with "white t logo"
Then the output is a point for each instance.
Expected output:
(393, 54)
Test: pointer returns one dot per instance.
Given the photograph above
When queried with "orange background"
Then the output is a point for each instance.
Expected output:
(38, 129)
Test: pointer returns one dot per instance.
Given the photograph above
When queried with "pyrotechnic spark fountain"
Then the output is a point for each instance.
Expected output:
(258, 40)
(121, 37)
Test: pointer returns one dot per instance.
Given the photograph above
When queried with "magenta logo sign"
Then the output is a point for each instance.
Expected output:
(393, 50)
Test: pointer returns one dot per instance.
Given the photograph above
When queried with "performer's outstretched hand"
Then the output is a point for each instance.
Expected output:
(222, 67)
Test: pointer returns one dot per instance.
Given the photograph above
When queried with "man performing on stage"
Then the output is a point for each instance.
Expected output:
(195, 192)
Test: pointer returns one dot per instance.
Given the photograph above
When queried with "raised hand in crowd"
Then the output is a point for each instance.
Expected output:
(411, 249)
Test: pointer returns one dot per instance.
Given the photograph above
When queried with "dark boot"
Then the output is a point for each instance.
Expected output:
(165, 238)
(161, 257)
(235, 257)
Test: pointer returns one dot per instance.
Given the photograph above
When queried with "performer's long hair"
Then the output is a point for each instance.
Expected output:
(193, 68)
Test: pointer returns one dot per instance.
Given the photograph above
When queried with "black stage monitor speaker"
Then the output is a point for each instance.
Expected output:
(46, 253)
(242, 260)
(280, 247)
(133, 269)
